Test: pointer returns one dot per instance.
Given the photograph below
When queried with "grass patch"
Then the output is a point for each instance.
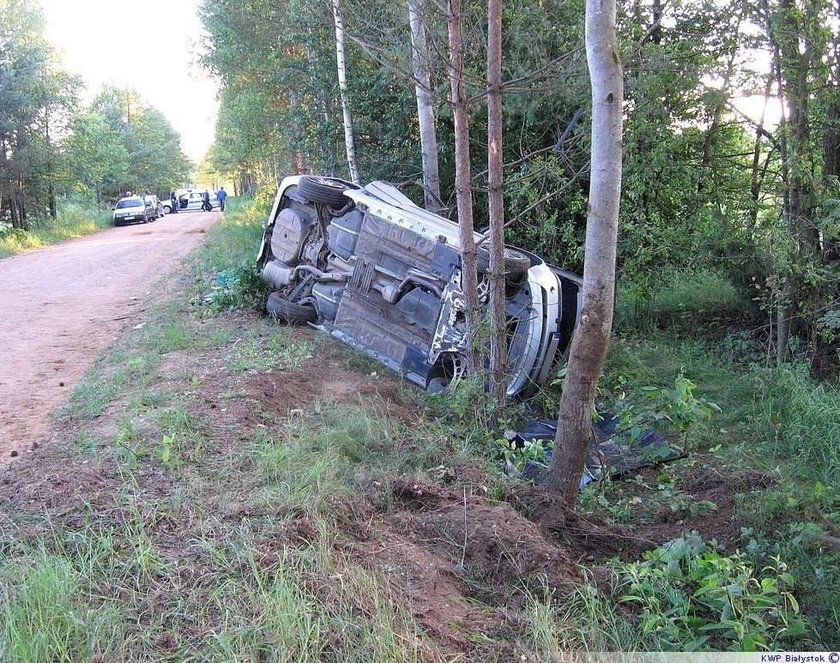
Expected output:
(74, 220)
(226, 264)
(47, 611)
(269, 345)
(682, 300)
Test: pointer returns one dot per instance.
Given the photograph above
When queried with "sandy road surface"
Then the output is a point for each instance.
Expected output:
(59, 306)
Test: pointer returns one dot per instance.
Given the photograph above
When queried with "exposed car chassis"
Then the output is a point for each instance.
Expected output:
(384, 275)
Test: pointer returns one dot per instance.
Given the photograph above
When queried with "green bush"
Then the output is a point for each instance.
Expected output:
(226, 265)
(690, 597)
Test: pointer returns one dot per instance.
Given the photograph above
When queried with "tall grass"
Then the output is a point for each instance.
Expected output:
(74, 220)
(680, 299)
(801, 420)
(46, 609)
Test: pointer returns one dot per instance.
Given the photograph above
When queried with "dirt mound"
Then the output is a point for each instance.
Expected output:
(490, 542)
(281, 392)
(460, 563)
(587, 538)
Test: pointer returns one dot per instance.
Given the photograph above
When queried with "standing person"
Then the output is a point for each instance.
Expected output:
(173, 202)
(221, 195)
(206, 198)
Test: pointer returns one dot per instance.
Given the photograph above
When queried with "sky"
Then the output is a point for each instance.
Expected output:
(149, 45)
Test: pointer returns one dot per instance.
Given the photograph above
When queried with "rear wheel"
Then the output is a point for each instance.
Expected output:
(280, 308)
(323, 190)
(517, 263)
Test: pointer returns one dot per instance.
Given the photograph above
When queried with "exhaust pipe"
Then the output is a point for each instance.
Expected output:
(276, 274)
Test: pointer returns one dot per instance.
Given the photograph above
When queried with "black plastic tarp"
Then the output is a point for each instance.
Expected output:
(611, 451)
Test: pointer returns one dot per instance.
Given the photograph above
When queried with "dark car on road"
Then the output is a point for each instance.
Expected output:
(384, 275)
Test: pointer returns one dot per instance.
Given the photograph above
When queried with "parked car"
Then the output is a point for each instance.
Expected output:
(384, 275)
(194, 200)
(155, 201)
(132, 209)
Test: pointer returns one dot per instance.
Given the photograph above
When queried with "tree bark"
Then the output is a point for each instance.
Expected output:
(496, 207)
(590, 343)
(463, 185)
(349, 137)
(425, 107)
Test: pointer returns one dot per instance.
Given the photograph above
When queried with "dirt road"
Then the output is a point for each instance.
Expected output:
(61, 305)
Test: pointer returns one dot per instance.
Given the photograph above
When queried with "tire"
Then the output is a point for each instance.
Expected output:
(517, 263)
(280, 308)
(323, 190)
(145, 218)
(167, 209)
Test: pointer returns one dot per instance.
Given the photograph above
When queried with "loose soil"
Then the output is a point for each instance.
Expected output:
(63, 304)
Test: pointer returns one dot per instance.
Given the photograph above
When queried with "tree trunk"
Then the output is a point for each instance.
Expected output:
(463, 186)
(590, 343)
(425, 106)
(656, 22)
(792, 56)
(496, 206)
(349, 138)
(757, 172)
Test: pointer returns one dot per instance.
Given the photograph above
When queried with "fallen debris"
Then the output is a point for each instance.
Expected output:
(612, 452)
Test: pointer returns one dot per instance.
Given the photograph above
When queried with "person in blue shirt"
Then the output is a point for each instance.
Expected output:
(221, 195)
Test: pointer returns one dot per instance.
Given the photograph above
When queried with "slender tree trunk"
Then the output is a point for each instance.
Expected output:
(656, 30)
(757, 172)
(496, 206)
(425, 106)
(53, 209)
(463, 186)
(792, 57)
(783, 307)
(349, 137)
(590, 343)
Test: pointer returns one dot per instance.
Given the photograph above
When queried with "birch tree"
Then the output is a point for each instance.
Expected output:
(425, 106)
(341, 67)
(496, 205)
(590, 343)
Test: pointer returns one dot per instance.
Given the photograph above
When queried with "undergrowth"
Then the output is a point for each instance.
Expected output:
(74, 219)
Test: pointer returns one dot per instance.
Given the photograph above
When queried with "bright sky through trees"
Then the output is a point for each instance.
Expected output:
(149, 45)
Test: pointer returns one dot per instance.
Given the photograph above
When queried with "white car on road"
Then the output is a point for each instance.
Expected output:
(134, 209)
(194, 200)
